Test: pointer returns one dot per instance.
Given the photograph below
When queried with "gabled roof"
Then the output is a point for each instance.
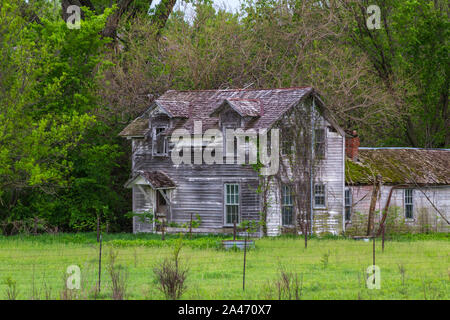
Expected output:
(156, 179)
(274, 102)
(174, 109)
(264, 106)
(410, 166)
(244, 107)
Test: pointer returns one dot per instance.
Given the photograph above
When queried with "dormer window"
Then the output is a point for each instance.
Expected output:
(159, 143)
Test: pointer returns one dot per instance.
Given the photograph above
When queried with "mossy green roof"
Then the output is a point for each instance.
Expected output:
(399, 166)
(137, 128)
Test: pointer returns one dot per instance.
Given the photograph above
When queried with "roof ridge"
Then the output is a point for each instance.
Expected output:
(240, 89)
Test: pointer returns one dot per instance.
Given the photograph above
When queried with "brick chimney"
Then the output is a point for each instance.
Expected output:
(352, 145)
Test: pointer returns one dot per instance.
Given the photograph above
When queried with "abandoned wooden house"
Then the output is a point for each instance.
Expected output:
(222, 194)
(411, 185)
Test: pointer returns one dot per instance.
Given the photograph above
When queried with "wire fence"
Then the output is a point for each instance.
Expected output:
(329, 265)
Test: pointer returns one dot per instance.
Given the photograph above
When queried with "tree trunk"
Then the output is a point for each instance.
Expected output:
(373, 202)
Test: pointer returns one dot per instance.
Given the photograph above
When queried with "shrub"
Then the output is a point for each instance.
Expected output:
(288, 286)
(119, 276)
(171, 275)
(11, 288)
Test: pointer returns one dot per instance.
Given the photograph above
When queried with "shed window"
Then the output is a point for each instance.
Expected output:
(286, 206)
(348, 204)
(159, 141)
(319, 195)
(408, 203)
(319, 143)
(231, 203)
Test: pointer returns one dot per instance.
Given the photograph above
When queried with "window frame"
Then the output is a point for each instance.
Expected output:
(226, 204)
(154, 141)
(323, 143)
(286, 145)
(324, 205)
(408, 206)
(284, 205)
(348, 205)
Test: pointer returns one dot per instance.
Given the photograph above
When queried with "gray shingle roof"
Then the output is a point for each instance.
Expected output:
(265, 105)
(156, 179)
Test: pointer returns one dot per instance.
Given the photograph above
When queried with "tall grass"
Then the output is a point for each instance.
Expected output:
(411, 268)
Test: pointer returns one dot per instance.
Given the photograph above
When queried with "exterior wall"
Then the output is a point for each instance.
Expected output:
(423, 211)
(273, 220)
(200, 189)
(142, 203)
(331, 173)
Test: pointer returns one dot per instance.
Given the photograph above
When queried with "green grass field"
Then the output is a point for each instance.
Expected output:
(331, 268)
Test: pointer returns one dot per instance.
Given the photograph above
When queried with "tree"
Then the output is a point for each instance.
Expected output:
(410, 56)
(47, 96)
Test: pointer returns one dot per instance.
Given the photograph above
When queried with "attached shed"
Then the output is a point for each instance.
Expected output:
(415, 185)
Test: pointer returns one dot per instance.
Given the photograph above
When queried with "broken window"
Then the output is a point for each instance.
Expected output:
(231, 203)
(319, 195)
(286, 206)
(348, 204)
(319, 143)
(408, 203)
(159, 141)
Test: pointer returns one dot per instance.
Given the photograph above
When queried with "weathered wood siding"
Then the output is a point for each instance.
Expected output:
(273, 220)
(142, 203)
(423, 212)
(331, 173)
(200, 188)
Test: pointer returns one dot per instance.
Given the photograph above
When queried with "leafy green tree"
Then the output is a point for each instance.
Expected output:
(55, 161)
(410, 54)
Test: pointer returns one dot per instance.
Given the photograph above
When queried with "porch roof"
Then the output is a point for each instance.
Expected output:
(156, 179)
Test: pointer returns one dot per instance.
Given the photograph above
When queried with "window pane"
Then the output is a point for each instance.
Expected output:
(319, 142)
(160, 141)
(348, 204)
(286, 216)
(347, 213)
(232, 203)
(347, 197)
(409, 203)
(286, 205)
(319, 195)
(409, 211)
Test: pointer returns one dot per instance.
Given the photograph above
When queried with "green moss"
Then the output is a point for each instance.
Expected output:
(356, 173)
(392, 167)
